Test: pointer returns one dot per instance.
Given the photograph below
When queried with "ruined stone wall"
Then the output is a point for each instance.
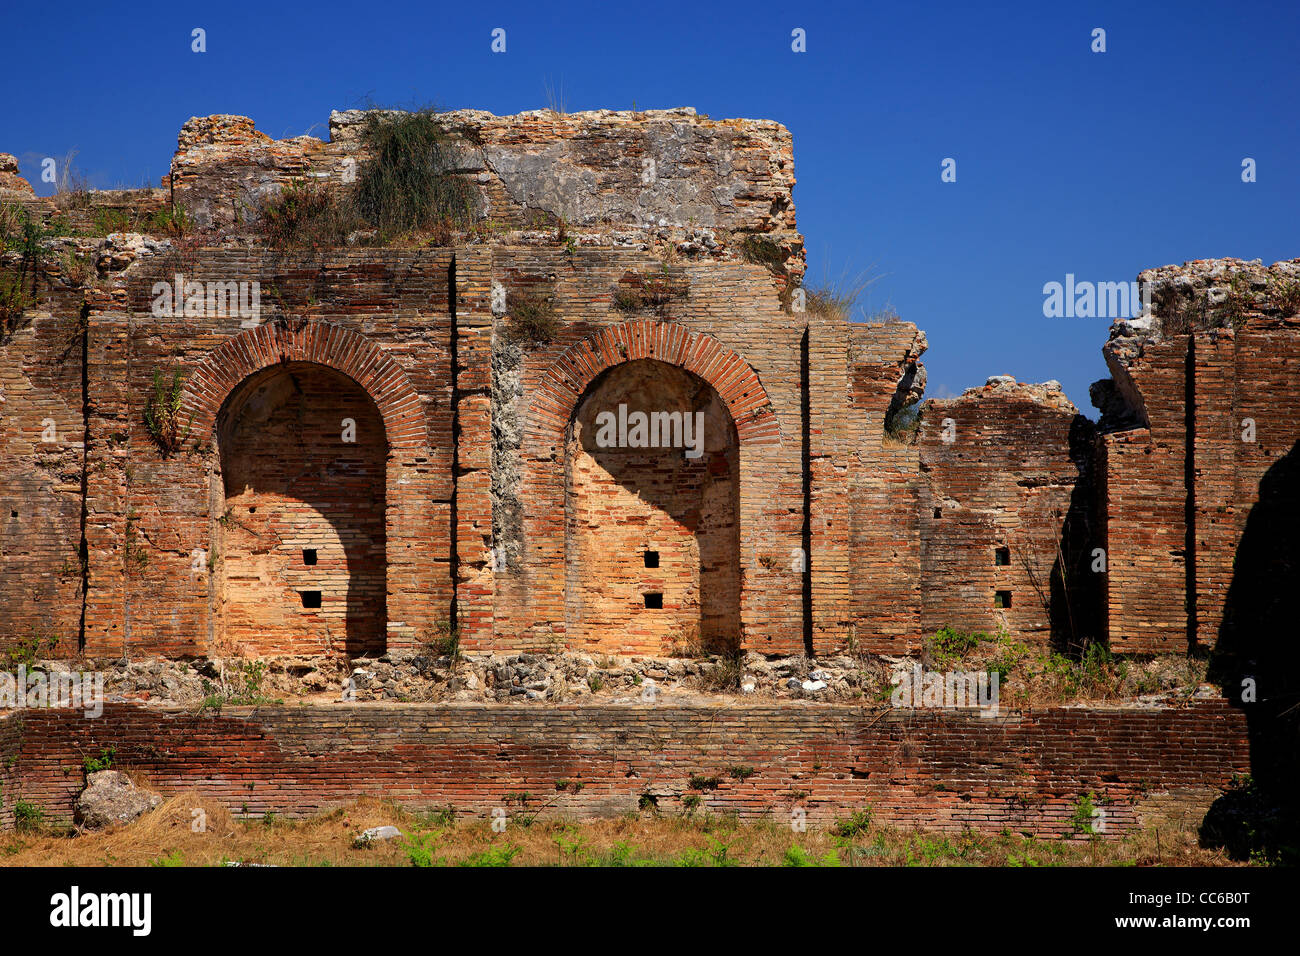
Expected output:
(935, 769)
(1211, 380)
(624, 175)
(42, 427)
(155, 520)
(470, 501)
(884, 488)
(999, 484)
(727, 328)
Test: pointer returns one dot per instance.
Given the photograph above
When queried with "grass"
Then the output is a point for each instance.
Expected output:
(167, 837)
(407, 188)
(1037, 675)
(1181, 312)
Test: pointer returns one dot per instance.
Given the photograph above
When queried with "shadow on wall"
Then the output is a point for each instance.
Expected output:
(1258, 656)
(301, 523)
(1076, 595)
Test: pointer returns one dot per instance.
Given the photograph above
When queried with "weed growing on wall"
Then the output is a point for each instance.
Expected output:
(408, 183)
(162, 413)
(13, 306)
(532, 319)
(407, 187)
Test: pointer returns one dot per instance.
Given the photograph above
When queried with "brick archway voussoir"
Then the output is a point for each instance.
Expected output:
(734, 379)
(320, 343)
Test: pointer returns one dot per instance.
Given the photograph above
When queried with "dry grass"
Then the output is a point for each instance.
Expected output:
(166, 838)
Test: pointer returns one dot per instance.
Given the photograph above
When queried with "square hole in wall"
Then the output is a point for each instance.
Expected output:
(654, 599)
(1002, 599)
(1001, 556)
(652, 559)
(310, 598)
(308, 555)
(938, 512)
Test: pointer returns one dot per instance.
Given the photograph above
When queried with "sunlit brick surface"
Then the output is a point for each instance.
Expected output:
(293, 484)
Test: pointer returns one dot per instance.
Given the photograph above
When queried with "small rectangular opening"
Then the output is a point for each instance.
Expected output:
(652, 559)
(308, 555)
(938, 512)
(1002, 599)
(1001, 556)
(310, 598)
(654, 599)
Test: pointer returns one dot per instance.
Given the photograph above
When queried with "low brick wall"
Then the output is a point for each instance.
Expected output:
(934, 769)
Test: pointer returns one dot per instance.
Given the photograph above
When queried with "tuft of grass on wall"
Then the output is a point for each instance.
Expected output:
(409, 183)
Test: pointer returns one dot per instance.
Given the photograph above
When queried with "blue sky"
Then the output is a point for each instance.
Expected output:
(1068, 161)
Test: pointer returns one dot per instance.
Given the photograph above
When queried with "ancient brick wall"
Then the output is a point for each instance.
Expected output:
(883, 488)
(999, 485)
(937, 769)
(727, 329)
(1211, 379)
(300, 526)
(1145, 511)
(155, 521)
(42, 430)
(469, 499)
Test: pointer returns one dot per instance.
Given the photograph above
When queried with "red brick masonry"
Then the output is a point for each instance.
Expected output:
(934, 769)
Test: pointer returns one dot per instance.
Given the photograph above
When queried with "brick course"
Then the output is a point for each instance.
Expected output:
(937, 769)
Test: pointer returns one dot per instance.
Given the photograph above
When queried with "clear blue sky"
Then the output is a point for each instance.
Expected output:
(1067, 160)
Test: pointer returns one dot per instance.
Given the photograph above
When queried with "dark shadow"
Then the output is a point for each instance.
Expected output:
(303, 512)
(1075, 589)
(1258, 656)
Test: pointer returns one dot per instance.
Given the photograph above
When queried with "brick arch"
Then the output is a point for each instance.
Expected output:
(322, 343)
(418, 581)
(565, 381)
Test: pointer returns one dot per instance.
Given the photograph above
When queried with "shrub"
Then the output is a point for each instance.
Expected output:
(304, 213)
(408, 182)
(856, 825)
(443, 640)
(1285, 294)
(162, 414)
(655, 290)
(762, 251)
(727, 672)
(12, 216)
(1085, 812)
(493, 856)
(419, 849)
(26, 652)
(75, 269)
(103, 762)
(13, 306)
(903, 423)
(108, 220)
(171, 220)
(532, 318)
(949, 645)
(28, 817)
